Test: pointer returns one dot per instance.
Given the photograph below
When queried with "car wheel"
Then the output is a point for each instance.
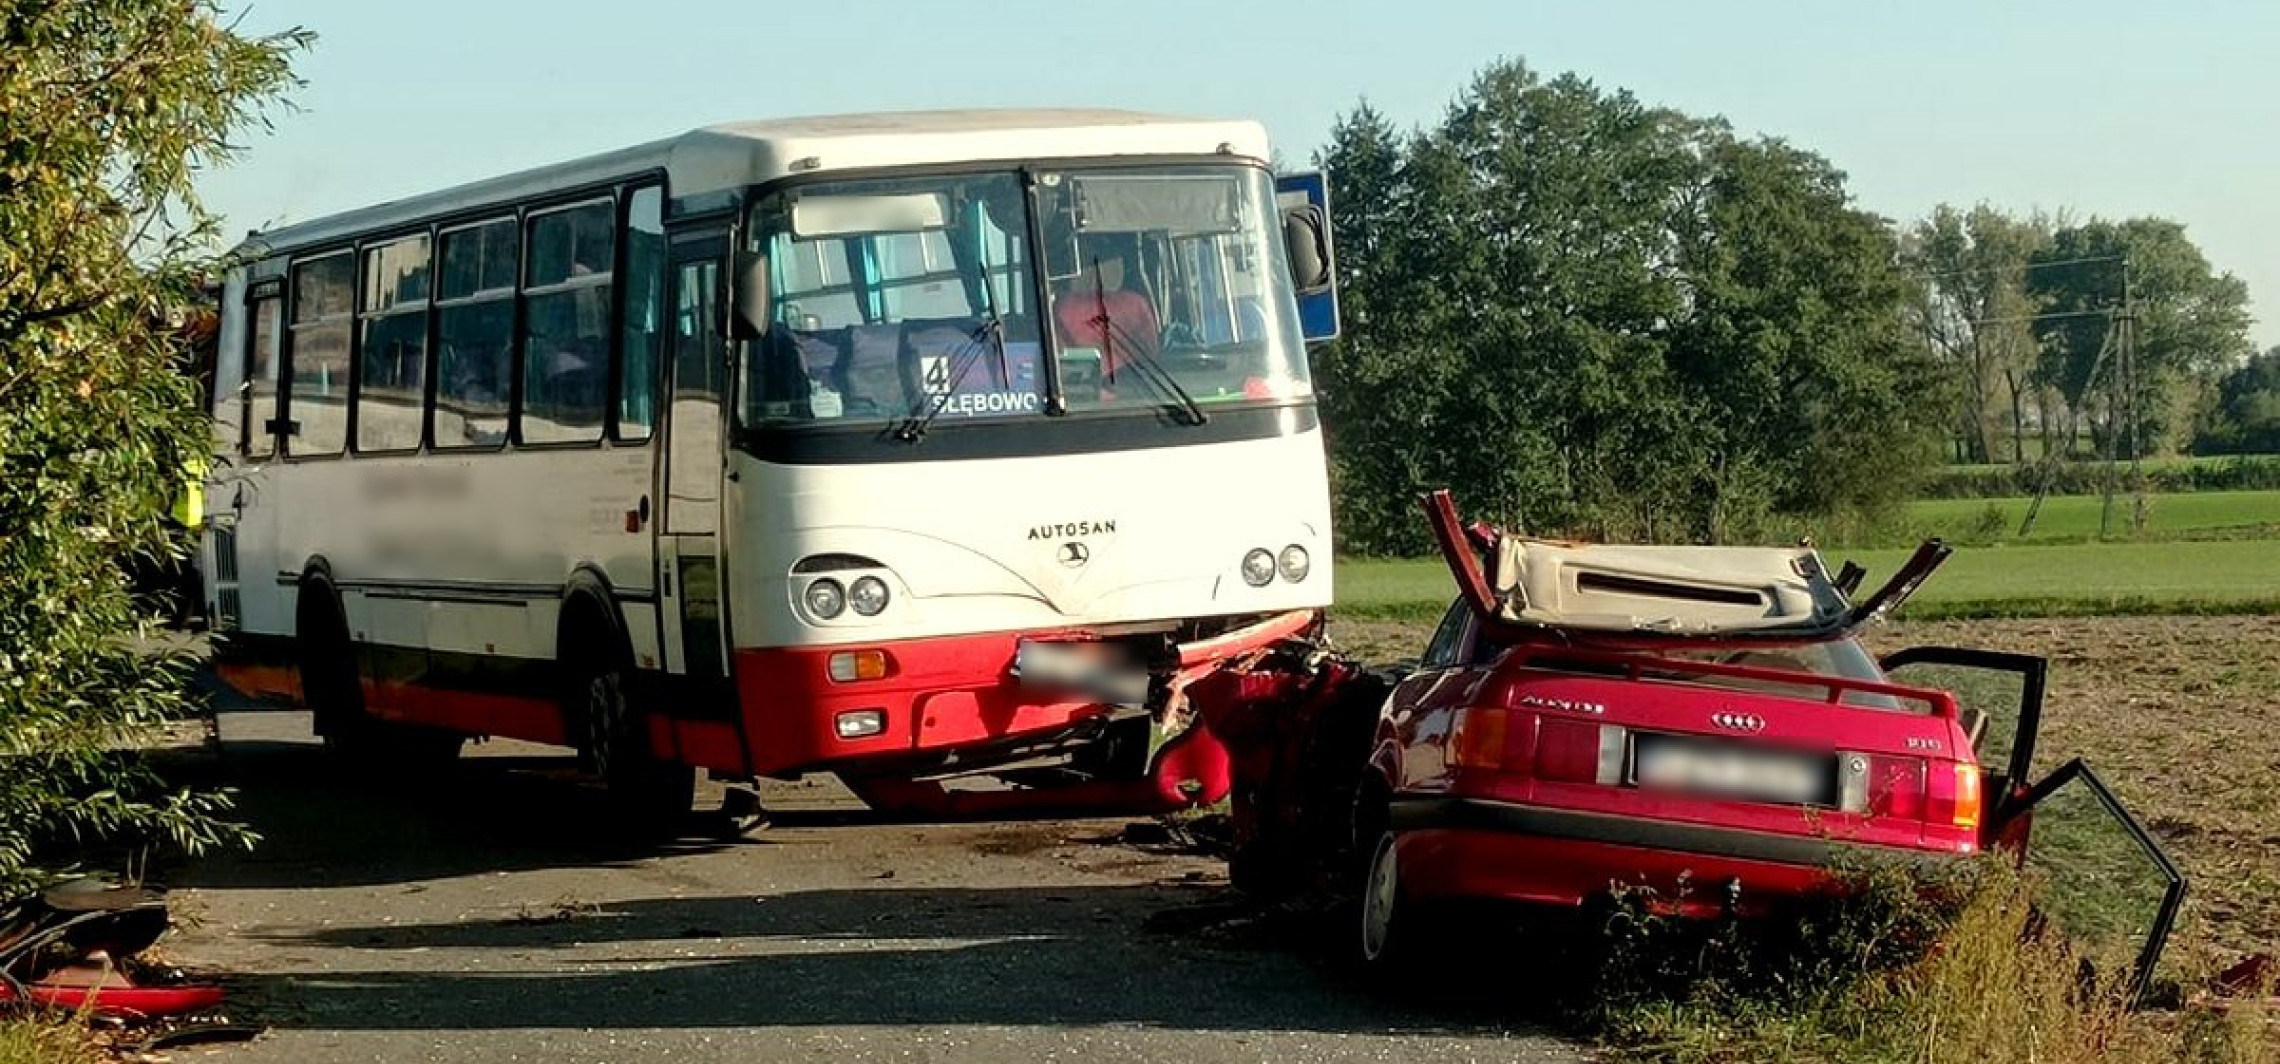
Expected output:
(1382, 942)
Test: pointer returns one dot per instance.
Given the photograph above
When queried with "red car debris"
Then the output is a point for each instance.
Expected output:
(1698, 721)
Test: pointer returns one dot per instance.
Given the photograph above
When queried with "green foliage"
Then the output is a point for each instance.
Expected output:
(2245, 417)
(107, 109)
(1976, 314)
(2191, 327)
(1593, 316)
(2260, 472)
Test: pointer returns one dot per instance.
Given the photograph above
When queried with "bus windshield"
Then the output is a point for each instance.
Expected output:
(921, 297)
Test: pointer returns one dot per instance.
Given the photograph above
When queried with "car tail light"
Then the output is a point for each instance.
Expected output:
(1576, 752)
(1476, 737)
(1880, 785)
(1967, 796)
(1955, 799)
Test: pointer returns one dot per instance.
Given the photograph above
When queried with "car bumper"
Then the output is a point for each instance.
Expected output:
(1452, 848)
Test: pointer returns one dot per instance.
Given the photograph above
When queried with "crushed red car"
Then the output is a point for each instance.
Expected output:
(1702, 722)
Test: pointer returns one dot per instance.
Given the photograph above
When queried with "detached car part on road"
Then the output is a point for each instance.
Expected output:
(1702, 722)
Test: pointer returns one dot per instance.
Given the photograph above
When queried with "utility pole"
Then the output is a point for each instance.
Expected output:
(2122, 416)
(2129, 359)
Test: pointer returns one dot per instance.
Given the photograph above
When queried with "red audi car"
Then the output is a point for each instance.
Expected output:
(1701, 722)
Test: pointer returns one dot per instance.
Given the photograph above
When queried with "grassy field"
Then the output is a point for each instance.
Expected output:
(2076, 518)
(2073, 579)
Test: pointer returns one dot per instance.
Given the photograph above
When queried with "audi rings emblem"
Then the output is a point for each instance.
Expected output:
(1742, 722)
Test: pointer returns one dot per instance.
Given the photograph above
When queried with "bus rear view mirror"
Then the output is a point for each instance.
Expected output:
(749, 320)
(1306, 236)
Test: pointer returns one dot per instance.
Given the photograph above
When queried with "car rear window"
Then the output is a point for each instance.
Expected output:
(1836, 657)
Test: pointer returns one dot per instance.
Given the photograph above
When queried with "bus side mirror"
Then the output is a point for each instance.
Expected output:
(1305, 202)
(1306, 235)
(750, 318)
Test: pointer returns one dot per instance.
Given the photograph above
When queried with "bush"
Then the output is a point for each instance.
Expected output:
(107, 107)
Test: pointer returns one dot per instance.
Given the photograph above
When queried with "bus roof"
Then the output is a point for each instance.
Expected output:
(732, 155)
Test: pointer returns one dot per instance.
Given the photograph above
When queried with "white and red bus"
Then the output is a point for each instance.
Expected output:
(901, 446)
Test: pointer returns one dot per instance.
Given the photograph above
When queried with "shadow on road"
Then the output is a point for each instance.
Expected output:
(1167, 955)
(321, 827)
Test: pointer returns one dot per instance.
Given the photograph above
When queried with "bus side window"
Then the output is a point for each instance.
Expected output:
(391, 383)
(316, 363)
(475, 342)
(569, 256)
(644, 331)
(261, 377)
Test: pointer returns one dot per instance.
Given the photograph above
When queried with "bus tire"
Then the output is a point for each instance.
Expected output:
(649, 797)
(327, 663)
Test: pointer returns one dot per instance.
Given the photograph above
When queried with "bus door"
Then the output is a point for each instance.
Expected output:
(688, 550)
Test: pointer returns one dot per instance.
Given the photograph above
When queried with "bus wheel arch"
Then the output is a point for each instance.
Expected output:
(648, 796)
(324, 654)
(588, 629)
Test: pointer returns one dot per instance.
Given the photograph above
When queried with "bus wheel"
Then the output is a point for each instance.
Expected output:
(328, 674)
(649, 797)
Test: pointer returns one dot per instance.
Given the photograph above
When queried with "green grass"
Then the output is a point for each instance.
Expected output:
(2075, 579)
(2188, 515)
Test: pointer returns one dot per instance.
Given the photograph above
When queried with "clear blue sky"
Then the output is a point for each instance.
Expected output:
(2100, 107)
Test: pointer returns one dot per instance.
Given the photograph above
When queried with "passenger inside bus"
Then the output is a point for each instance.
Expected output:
(1096, 310)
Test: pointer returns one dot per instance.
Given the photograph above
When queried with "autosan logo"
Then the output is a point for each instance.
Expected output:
(1072, 530)
(1074, 554)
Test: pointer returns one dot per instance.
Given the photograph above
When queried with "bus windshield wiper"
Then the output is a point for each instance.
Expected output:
(988, 335)
(1155, 372)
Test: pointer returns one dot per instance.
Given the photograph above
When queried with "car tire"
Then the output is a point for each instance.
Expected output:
(1384, 924)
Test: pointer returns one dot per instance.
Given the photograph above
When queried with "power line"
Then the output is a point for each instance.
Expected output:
(2026, 266)
(2049, 315)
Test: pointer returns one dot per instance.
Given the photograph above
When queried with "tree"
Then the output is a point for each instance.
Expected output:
(1977, 314)
(107, 109)
(2191, 326)
(2245, 417)
(1797, 347)
(1598, 317)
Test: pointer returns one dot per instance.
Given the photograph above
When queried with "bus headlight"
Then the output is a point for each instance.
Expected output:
(1294, 563)
(826, 599)
(868, 595)
(1258, 567)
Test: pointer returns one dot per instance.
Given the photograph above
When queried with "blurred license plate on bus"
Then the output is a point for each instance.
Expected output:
(1090, 668)
(1725, 770)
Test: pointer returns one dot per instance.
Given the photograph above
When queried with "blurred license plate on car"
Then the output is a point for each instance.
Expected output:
(1727, 770)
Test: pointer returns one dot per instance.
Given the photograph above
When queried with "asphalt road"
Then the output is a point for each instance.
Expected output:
(474, 917)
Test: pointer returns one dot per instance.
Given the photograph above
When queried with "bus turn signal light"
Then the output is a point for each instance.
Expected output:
(849, 666)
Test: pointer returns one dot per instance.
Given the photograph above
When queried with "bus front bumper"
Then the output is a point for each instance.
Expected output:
(938, 696)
